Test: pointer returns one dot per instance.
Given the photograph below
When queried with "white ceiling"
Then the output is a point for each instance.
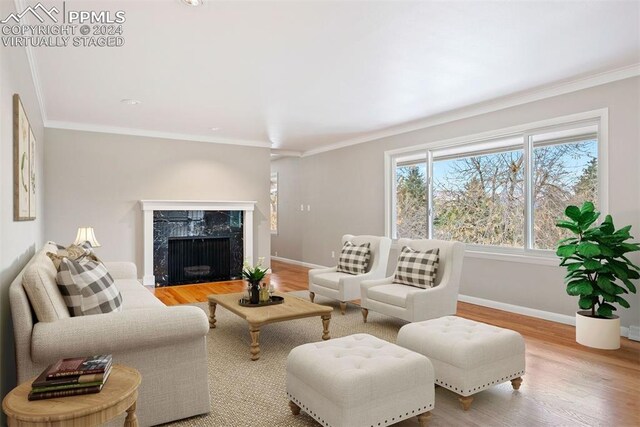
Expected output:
(303, 74)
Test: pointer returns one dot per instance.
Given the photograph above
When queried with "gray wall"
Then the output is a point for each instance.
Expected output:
(345, 189)
(18, 240)
(98, 179)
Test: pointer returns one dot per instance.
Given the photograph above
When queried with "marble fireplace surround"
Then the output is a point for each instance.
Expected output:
(149, 206)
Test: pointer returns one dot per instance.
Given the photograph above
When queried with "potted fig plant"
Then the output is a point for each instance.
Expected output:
(599, 272)
(254, 275)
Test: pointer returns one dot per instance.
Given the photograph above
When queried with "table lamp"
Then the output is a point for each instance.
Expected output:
(86, 234)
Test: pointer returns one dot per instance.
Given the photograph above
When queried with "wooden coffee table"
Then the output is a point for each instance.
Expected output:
(118, 395)
(292, 308)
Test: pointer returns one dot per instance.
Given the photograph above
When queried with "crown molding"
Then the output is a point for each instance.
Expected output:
(279, 154)
(568, 86)
(52, 124)
(508, 101)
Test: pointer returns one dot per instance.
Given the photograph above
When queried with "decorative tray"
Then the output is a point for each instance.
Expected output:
(272, 301)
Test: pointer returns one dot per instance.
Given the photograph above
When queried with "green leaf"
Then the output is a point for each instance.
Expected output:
(587, 207)
(630, 247)
(629, 263)
(577, 274)
(585, 303)
(619, 269)
(607, 225)
(622, 302)
(606, 310)
(574, 266)
(606, 250)
(592, 264)
(623, 232)
(632, 274)
(566, 250)
(587, 218)
(568, 240)
(630, 285)
(573, 212)
(568, 225)
(587, 249)
(579, 287)
(605, 284)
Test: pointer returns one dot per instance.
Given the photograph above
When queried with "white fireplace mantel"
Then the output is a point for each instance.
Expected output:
(149, 206)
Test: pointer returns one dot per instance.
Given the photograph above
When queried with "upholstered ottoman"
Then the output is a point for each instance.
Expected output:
(467, 356)
(359, 381)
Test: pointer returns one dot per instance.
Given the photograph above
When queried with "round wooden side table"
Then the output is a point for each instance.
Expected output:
(118, 395)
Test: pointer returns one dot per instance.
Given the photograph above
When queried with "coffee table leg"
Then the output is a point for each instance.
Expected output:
(325, 327)
(132, 418)
(255, 346)
(212, 314)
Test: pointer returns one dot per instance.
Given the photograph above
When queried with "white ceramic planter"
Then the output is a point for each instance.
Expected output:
(597, 333)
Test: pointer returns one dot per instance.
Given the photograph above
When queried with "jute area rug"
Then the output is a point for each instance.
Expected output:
(252, 393)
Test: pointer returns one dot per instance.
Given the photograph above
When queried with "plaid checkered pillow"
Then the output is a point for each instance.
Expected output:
(354, 259)
(87, 287)
(417, 268)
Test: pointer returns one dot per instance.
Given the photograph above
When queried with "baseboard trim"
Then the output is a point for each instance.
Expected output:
(634, 333)
(296, 262)
(531, 312)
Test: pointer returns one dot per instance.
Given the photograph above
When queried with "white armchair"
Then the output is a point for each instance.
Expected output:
(415, 304)
(331, 283)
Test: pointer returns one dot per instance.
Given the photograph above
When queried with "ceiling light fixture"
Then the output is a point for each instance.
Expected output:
(214, 129)
(130, 101)
(193, 2)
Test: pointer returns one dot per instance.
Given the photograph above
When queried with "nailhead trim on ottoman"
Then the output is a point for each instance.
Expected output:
(359, 381)
(467, 356)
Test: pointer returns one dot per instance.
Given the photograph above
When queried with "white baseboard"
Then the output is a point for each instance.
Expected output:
(296, 262)
(149, 280)
(532, 312)
(634, 333)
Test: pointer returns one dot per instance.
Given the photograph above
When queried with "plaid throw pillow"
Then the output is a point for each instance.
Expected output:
(87, 287)
(354, 259)
(417, 268)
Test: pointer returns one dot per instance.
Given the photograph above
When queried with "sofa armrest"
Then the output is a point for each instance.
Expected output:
(433, 300)
(317, 271)
(130, 330)
(357, 279)
(122, 270)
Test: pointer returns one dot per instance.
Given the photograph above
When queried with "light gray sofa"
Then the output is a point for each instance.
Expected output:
(166, 344)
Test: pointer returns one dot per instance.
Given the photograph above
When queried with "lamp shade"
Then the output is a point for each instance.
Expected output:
(86, 234)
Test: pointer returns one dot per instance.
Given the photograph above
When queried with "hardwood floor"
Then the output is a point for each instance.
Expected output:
(285, 278)
(567, 379)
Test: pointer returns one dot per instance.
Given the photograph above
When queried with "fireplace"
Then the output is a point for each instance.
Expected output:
(199, 226)
(199, 259)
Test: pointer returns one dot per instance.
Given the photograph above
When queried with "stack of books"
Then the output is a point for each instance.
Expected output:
(72, 377)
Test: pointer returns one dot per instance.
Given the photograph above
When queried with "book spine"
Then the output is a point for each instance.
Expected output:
(64, 393)
(64, 386)
(82, 379)
(76, 373)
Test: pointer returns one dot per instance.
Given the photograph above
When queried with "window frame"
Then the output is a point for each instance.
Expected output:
(528, 253)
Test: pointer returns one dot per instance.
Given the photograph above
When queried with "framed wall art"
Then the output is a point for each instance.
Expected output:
(24, 144)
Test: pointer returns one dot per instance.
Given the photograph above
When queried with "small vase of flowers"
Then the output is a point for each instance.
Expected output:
(254, 275)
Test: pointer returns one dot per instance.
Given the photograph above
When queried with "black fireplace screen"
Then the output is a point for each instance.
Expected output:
(199, 259)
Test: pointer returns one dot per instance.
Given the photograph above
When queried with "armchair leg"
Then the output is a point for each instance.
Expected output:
(423, 418)
(343, 307)
(295, 409)
(312, 296)
(365, 313)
